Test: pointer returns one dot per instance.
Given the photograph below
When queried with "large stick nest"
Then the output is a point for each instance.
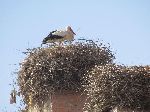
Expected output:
(118, 86)
(58, 68)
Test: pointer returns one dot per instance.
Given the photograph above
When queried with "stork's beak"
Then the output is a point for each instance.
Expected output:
(72, 31)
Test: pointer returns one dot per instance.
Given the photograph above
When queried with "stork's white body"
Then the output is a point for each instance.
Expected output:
(68, 35)
(60, 36)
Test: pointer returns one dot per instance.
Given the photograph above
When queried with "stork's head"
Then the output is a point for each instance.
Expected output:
(70, 29)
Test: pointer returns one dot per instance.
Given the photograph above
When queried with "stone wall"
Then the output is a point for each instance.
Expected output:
(63, 102)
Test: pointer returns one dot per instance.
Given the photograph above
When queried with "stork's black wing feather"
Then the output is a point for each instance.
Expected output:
(51, 36)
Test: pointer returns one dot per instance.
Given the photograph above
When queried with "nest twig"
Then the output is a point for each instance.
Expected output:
(118, 86)
(58, 68)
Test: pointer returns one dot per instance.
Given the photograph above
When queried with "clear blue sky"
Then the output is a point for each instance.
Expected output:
(125, 24)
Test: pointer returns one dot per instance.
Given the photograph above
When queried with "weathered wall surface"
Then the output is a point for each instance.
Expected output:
(68, 102)
(63, 102)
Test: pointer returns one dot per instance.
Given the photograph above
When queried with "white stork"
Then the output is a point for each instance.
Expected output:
(60, 36)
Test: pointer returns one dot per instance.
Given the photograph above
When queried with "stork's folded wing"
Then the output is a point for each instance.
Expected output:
(60, 33)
